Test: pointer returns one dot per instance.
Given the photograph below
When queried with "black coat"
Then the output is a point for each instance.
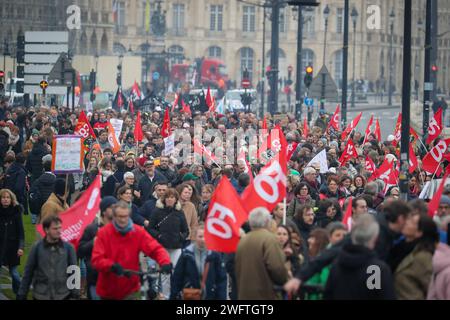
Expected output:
(169, 226)
(40, 190)
(145, 186)
(4, 144)
(147, 209)
(34, 161)
(112, 183)
(85, 247)
(12, 237)
(15, 181)
(349, 276)
(168, 173)
(186, 275)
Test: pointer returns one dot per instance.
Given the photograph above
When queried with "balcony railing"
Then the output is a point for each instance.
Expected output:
(178, 32)
(120, 29)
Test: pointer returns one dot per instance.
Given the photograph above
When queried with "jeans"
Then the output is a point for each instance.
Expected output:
(34, 218)
(165, 278)
(15, 276)
(93, 293)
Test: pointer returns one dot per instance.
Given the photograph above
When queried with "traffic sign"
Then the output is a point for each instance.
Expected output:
(43, 84)
(325, 81)
(308, 101)
(245, 83)
(156, 75)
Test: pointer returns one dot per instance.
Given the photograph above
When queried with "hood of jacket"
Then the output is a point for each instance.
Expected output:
(441, 258)
(38, 149)
(354, 256)
(47, 179)
(160, 205)
(15, 168)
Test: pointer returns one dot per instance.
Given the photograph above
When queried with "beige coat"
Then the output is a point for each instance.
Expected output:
(53, 206)
(413, 275)
(260, 264)
(190, 212)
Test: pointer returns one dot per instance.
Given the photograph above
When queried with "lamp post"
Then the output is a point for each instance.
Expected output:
(326, 15)
(354, 16)
(274, 55)
(119, 71)
(345, 63)
(391, 23)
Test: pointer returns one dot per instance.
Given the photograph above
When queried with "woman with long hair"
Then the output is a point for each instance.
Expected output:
(186, 192)
(207, 192)
(292, 257)
(12, 237)
(329, 211)
(359, 182)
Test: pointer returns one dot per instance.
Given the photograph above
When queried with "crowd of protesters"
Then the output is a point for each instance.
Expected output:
(155, 205)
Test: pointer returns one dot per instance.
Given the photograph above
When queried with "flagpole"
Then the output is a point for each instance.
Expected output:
(284, 212)
(421, 142)
(439, 165)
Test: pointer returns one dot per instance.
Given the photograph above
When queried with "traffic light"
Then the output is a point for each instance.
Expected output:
(92, 80)
(434, 68)
(2, 82)
(308, 76)
(246, 99)
(20, 55)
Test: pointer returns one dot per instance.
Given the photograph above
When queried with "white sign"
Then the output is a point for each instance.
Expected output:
(320, 158)
(67, 154)
(169, 145)
(117, 125)
(77, 98)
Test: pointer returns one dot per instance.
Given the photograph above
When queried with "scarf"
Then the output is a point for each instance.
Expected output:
(124, 231)
(303, 199)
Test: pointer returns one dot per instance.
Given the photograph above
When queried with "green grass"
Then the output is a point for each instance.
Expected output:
(30, 238)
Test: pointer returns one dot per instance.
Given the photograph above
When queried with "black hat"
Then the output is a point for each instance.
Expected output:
(308, 146)
(107, 202)
(60, 187)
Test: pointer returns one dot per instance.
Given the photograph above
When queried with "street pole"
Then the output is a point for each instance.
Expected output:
(345, 64)
(427, 72)
(354, 63)
(406, 101)
(434, 45)
(322, 91)
(273, 101)
(263, 67)
(298, 81)
(390, 63)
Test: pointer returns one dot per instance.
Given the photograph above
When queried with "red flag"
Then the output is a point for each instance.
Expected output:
(397, 131)
(290, 150)
(305, 128)
(368, 129)
(433, 205)
(138, 134)
(351, 126)
(377, 131)
(79, 215)
(200, 149)
(334, 121)
(349, 152)
(264, 124)
(435, 127)
(83, 127)
(269, 186)
(208, 99)
(165, 131)
(135, 91)
(131, 106)
(414, 134)
(385, 172)
(432, 159)
(185, 107)
(225, 218)
(175, 102)
(370, 165)
(347, 220)
(412, 159)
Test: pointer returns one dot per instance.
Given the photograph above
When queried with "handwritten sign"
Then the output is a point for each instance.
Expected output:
(67, 154)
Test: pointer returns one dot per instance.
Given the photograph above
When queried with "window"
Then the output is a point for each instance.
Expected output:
(248, 19)
(340, 21)
(308, 20)
(178, 17)
(216, 18)
(178, 58)
(247, 57)
(215, 52)
(283, 20)
(338, 61)
(121, 13)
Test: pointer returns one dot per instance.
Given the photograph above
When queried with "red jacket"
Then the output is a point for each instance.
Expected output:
(111, 247)
(101, 125)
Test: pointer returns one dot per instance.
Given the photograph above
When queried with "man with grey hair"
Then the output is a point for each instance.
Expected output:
(259, 260)
(357, 273)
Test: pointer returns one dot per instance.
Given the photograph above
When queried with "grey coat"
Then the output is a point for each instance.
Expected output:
(47, 269)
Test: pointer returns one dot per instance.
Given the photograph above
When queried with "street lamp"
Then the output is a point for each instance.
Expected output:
(354, 16)
(326, 15)
(119, 71)
(391, 22)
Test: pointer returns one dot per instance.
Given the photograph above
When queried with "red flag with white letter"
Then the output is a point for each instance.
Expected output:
(349, 152)
(368, 129)
(165, 131)
(435, 127)
(290, 150)
(79, 215)
(377, 130)
(432, 159)
(370, 165)
(83, 127)
(413, 163)
(269, 186)
(351, 126)
(225, 217)
(334, 121)
(200, 149)
(398, 131)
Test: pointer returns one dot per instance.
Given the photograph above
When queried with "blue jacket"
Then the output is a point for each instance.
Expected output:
(147, 208)
(186, 275)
